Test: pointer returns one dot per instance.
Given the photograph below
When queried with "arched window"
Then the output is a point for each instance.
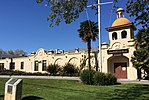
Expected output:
(114, 36)
(124, 34)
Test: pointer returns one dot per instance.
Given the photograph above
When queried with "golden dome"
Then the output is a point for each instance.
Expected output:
(120, 21)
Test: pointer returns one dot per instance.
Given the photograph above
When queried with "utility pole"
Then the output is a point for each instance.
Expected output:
(99, 24)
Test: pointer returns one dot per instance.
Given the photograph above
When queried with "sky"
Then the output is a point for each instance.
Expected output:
(24, 25)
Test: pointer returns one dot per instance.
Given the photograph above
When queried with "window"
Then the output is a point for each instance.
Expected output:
(114, 36)
(44, 65)
(22, 65)
(12, 65)
(124, 34)
(36, 66)
(1, 66)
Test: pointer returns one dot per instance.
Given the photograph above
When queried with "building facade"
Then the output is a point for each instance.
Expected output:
(38, 61)
(116, 56)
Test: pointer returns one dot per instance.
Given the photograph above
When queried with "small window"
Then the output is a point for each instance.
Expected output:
(22, 65)
(124, 34)
(114, 36)
(44, 65)
(36, 66)
(12, 65)
(1, 66)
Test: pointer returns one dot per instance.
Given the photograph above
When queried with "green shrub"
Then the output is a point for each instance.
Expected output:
(17, 72)
(70, 70)
(110, 79)
(87, 77)
(99, 78)
(6, 72)
(91, 77)
(104, 79)
(53, 69)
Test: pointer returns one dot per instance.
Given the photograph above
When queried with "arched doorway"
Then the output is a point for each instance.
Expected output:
(118, 66)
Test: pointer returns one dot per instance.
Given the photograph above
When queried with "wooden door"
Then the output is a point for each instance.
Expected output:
(120, 70)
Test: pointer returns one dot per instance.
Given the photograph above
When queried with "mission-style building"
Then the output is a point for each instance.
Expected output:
(116, 56)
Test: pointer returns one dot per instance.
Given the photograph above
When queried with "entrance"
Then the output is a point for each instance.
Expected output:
(120, 70)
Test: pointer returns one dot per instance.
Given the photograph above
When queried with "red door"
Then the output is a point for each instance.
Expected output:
(120, 70)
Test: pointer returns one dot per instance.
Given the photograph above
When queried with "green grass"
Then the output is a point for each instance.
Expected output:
(45, 89)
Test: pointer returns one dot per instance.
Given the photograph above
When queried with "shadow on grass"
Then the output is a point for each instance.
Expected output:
(31, 98)
(137, 92)
(1, 97)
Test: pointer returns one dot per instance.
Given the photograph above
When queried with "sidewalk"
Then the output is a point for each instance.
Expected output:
(127, 81)
(41, 77)
(122, 81)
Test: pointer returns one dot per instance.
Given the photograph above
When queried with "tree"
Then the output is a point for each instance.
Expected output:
(69, 10)
(10, 52)
(20, 52)
(140, 58)
(16, 52)
(88, 31)
(142, 38)
(140, 10)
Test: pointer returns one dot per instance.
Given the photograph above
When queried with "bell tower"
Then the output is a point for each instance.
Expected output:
(121, 31)
(117, 55)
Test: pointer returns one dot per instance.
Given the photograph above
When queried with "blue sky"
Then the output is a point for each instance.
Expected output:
(23, 25)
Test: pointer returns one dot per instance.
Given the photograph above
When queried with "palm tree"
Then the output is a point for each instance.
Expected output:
(88, 31)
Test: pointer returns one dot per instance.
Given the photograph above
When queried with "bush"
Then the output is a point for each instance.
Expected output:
(70, 70)
(17, 72)
(53, 69)
(110, 79)
(87, 77)
(6, 72)
(99, 78)
(91, 77)
(104, 79)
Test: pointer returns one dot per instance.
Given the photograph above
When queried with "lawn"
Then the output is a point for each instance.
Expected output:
(46, 89)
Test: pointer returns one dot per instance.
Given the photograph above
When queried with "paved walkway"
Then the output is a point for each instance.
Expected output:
(122, 81)
(41, 77)
(127, 81)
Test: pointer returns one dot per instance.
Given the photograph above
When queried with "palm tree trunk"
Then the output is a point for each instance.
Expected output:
(89, 50)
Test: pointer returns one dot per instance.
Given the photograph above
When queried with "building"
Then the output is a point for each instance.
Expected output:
(38, 61)
(116, 56)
